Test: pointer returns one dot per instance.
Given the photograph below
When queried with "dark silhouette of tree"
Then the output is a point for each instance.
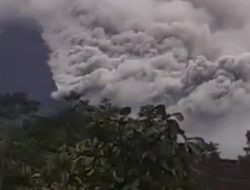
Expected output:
(102, 147)
(244, 160)
(15, 106)
(14, 109)
(247, 148)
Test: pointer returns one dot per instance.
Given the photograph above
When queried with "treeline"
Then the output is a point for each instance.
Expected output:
(86, 147)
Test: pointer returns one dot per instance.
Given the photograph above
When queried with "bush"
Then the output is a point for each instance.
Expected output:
(103, 147)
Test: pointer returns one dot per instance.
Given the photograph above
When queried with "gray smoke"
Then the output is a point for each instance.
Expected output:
(191, 55)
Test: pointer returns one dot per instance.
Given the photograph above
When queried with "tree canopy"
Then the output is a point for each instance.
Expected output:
(99, 147)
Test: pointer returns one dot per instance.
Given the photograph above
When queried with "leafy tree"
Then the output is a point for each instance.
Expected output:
(103, 147)
(247, 148)
(244, 160)
(16, 106)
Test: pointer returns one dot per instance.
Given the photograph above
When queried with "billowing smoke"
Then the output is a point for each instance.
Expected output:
(191, 55)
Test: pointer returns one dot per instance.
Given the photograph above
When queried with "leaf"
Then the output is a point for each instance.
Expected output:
(91, 172)
(178, 116)
(133, 186)
(194, 148)
(125, 111)
(65, 177)
(79, 180)
(160, 109)
(117, 178)
(145, 111)
(36, 175)
(200, 142)
(174, 128)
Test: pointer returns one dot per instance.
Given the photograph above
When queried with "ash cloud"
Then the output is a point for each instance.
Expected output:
(191, 55)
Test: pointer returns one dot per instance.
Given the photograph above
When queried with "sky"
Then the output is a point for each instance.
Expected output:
(23, 62)
(191, 55)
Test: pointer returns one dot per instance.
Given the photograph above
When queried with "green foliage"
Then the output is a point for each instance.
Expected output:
(16, 105)
(244, 160)
(247, 148)
(102, 147)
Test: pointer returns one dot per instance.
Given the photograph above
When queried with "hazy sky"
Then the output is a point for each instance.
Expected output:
(23, 61)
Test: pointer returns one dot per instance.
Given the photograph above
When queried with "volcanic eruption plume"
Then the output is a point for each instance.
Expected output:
(191, 55)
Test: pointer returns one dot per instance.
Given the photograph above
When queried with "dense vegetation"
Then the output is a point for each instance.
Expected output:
(103, 147)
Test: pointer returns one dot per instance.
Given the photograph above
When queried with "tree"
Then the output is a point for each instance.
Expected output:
(16, 106)
(244, 160)
(247, 148)
(121, 152)
(14, 109)
(103, 147)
